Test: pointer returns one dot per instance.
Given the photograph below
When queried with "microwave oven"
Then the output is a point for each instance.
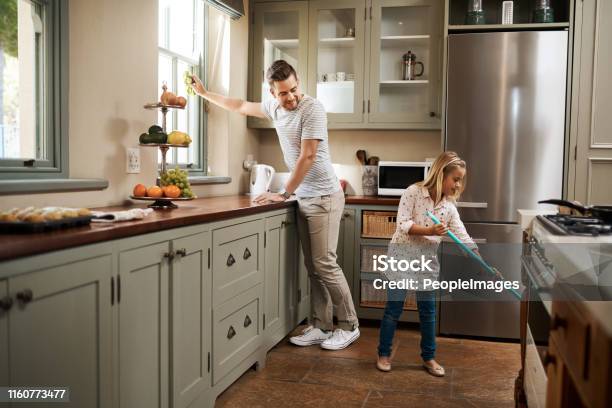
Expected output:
(395, 177)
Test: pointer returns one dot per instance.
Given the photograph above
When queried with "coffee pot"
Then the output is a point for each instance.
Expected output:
(409, 64)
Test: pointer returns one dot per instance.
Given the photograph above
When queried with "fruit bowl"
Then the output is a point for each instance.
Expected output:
(162, 202)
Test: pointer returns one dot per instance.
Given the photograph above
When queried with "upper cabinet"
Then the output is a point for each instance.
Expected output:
(405, 53)
(280, 31)
(336, 52)
(374, 64)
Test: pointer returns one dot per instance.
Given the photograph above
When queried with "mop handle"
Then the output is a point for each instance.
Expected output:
(471, 253)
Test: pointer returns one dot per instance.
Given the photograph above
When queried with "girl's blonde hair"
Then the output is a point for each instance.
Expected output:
(441, 167)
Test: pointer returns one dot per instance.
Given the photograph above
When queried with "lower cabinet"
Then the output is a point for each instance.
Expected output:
(237, 331)
(5, 305)
(158, 320)
(280, 278)
(59, 325)
(191, 318)
(143, 326)
(164, 309)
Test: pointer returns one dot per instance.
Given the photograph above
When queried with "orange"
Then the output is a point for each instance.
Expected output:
(140, 190)
(154, 192)
(172, 191)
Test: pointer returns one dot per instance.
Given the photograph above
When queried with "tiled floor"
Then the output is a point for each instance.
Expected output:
(478, 374)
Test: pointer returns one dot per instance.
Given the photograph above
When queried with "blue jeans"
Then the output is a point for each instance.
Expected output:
(426, 303)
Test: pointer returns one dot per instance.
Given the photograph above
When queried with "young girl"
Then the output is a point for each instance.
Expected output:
(417, 233)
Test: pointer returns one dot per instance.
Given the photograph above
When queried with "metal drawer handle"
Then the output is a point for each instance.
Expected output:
(181, 252)
(247, 321)
(285, 223)
(548, 359)
(247, 254)
(6, 303)
(25, 296)
(470, 204)
(231, 332)
(230, 260)
(169, 255)
(558, 322)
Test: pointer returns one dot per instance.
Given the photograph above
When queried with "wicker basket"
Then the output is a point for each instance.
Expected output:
(367, 256)
(371, 297)
(378, 224)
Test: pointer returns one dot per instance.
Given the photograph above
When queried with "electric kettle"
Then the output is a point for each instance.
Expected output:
(261, 178)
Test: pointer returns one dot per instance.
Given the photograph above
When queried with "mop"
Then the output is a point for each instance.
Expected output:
(473, 254)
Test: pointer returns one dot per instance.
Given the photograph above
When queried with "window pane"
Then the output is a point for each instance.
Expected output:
(163, 23)
(181, 27)
(165, 76)
(21, 80)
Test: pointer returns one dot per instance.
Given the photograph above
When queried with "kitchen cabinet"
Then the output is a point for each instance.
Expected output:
(164, 302)
(279, 281)
(6, 304)
(353, 50)
(280, 31)
(133, 322)
(191, 318)
(143, 350)
(399, 27)
(336, 58)
(59, 326)
(590, 162)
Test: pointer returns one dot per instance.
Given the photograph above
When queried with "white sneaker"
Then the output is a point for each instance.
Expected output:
(340, 339)
(310, 336)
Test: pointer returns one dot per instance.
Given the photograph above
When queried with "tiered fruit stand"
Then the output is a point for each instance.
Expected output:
(162, 202)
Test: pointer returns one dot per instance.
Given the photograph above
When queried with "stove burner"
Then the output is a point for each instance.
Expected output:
(576, 225)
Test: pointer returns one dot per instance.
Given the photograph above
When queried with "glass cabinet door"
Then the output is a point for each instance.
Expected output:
(405, 49)
(280, 32)
(336, 58)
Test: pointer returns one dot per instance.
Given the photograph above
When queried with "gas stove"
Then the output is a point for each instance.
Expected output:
(573, 251)
(561, 224)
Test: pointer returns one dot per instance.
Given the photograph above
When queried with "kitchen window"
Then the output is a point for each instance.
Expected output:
(182, 40)
(33, 89)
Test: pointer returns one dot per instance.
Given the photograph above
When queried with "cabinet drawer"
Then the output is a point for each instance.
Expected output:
(236, 331)
(236, 259)
(572, 334)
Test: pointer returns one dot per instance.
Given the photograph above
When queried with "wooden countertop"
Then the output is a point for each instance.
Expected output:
(372, 200)
(189, 213)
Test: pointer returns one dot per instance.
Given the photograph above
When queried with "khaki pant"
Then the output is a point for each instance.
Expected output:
(318, 226)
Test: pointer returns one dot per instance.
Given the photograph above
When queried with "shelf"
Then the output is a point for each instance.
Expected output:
(507, 27)
(336, 84)
(337, 42)
(400, 40)
(377, 305)
(285, 43)
(404, 83)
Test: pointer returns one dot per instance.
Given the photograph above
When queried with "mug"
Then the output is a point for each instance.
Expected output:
(341, 76)
(322, 77)
(331, 76)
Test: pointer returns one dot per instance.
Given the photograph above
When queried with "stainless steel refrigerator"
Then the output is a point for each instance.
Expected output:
(505, 115)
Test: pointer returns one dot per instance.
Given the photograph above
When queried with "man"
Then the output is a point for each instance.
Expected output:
(301, 125)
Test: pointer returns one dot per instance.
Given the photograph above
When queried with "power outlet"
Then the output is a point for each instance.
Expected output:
(132, 165)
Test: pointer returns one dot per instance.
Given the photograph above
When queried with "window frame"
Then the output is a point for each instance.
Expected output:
(55, 96)
(199, 65)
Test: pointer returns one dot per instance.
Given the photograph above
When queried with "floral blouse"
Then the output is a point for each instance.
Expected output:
(412, 210)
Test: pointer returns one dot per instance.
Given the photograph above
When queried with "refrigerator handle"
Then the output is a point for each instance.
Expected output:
(469, 204)
(476, 240)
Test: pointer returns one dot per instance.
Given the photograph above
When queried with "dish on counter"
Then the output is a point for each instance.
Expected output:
(33, 219)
